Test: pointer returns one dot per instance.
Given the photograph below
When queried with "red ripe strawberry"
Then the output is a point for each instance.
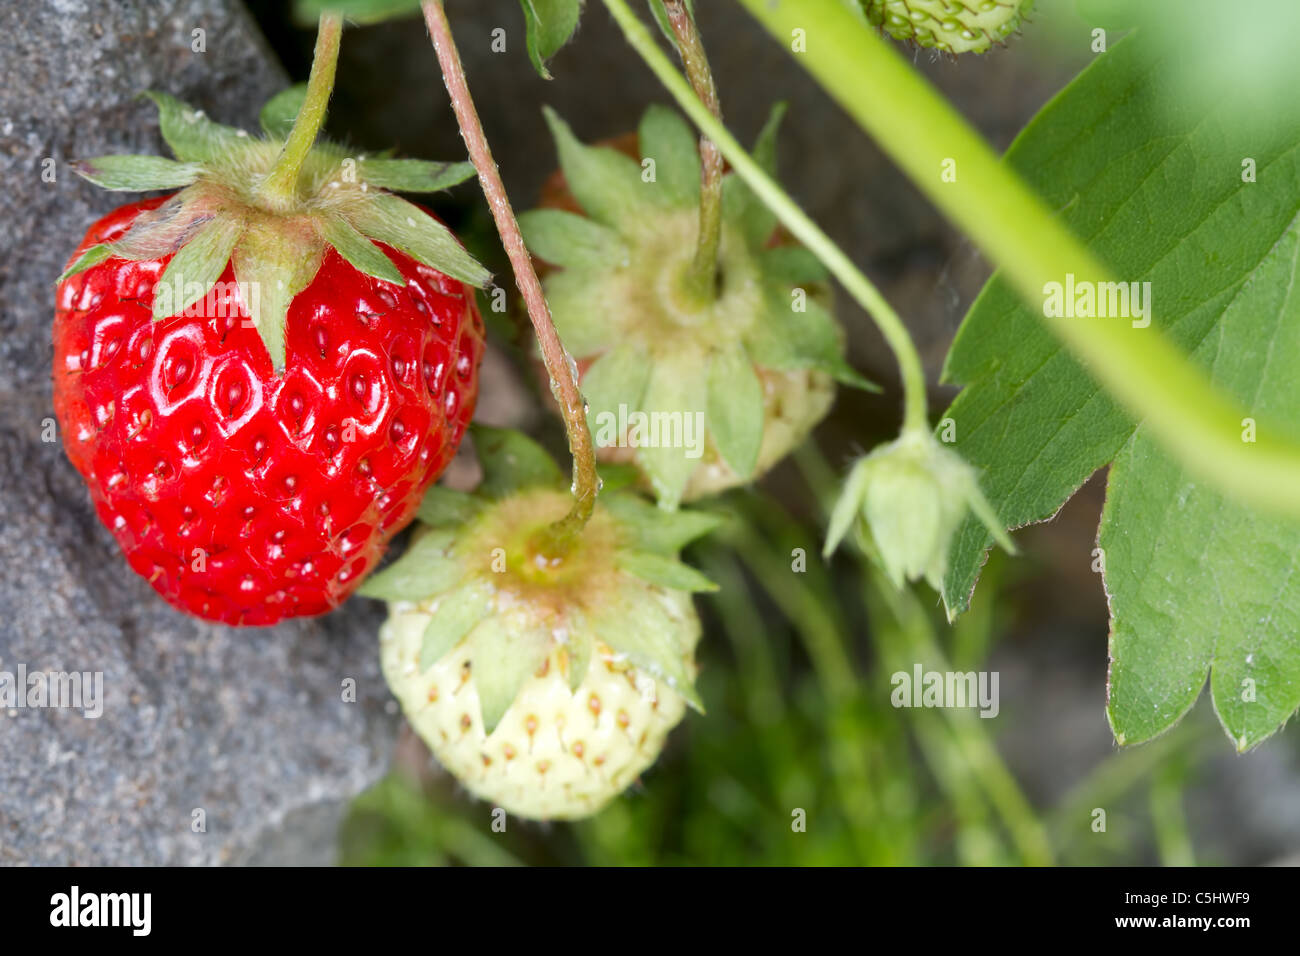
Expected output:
(253, 452)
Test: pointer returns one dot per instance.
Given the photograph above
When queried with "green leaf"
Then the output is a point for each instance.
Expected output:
(360, 252)
(848, 506)
(549, 24)
(445, 506)
(786, 338)
(274, 266)
(617, 378)
(91, 257)
(278, 115)
(617, 476)
(674, 445)
(581, 302)
(640, 627)
(456, 614)
(136, 173)
(1196, 585)
(190, 134)
(667, 139)
(405, 226)
(663, 571)
(502, 657)
(160, 232)
(195, 269)
(736, 409)
(579, 649)
(413, 175)
(564, 239)
(651, 529)
(512, 461)
(425, 570)
(606, 184)
(739, 204)
(792, 266)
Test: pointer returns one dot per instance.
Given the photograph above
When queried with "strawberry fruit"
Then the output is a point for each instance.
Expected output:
(699, 395)
(258, 387)
(545, 683)
(953, 26)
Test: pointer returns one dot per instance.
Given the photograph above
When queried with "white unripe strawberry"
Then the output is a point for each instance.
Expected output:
(545, 681)
(558, 753)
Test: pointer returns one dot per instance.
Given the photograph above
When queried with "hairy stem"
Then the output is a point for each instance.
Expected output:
(1195, 422)
(794, 218)
(280, 187)
(559, 367)
(702, 281)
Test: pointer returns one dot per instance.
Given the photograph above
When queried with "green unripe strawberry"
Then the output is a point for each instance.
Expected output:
(953, 26)
(701, 394)
(544, 682)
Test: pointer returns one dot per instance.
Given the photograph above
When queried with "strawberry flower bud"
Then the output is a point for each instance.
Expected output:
(906, 500)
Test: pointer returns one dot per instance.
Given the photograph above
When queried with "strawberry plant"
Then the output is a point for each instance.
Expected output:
(671, 292)
(542, 635)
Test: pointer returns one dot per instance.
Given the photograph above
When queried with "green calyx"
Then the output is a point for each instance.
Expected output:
(274, 239)
(702, 379)
(475, 565)
(905, 500)
(953, 26)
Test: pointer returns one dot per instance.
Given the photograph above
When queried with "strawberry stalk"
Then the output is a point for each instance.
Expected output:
(559, 537)
(280, 188)
(701, 283)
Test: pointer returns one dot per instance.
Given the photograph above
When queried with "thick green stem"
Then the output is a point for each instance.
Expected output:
(1194, 422)
(794, 218)
(280, 188)
(703, 278)
(560, 536)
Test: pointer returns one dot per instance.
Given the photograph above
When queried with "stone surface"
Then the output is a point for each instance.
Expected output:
(250, 726)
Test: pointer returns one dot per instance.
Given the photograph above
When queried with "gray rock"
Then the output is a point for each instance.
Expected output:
(248, 726)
